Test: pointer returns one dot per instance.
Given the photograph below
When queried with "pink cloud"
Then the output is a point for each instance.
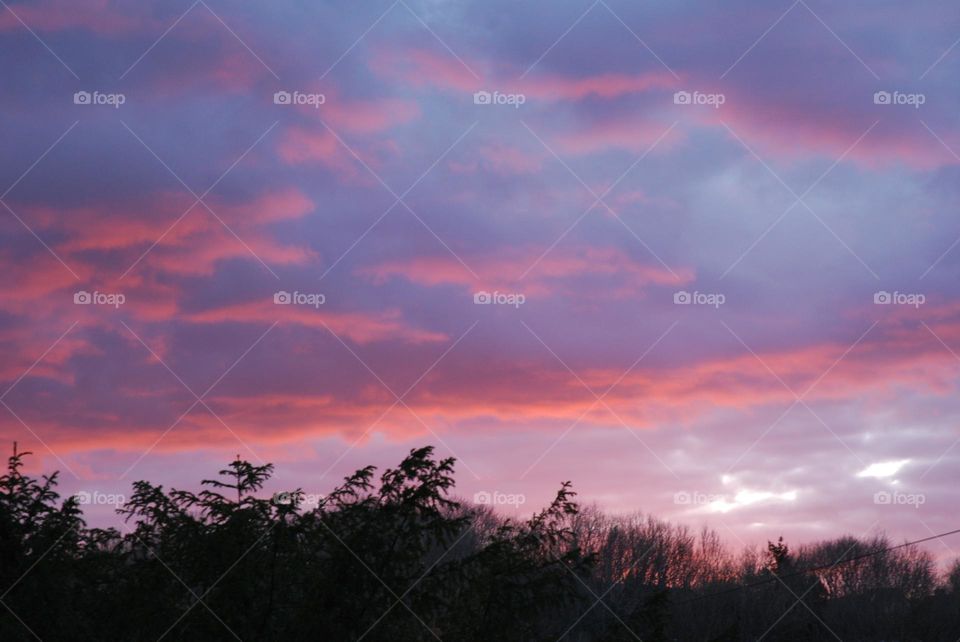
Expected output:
(420, 67)
(315, 143)
(357, 326)
(193, 245)
(610, 85)
(301, 145)
(637, 135)
(896, 138)
(473, 385)
(368, 116)
(101, 17)
(548, 271)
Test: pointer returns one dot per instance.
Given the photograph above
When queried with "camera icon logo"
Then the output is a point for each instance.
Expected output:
(881, 98)
(681, 298)
(282, 98)
(284, 499)
(882, 297)
(82, 297)
(81, 98)
(682, 98)
(83, 497)
(482, 298)
(482, 497)
(882, 497)
(683, 498)
(282, 297)
(482, 98)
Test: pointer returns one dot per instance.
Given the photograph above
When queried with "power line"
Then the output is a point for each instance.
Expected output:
(813, 569)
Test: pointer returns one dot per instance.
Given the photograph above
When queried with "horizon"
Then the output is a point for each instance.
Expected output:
(701, 261)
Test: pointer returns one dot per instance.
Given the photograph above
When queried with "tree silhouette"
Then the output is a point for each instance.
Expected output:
(398, 557)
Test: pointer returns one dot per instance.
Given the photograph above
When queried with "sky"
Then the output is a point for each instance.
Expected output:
(698, 258)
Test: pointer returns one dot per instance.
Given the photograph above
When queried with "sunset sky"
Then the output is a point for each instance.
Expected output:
(719, 239)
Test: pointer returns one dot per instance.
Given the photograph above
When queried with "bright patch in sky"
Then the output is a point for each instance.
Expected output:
(883, 469)
(748, 497)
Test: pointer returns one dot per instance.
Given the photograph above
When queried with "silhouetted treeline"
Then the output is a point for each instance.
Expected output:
(399, 558)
